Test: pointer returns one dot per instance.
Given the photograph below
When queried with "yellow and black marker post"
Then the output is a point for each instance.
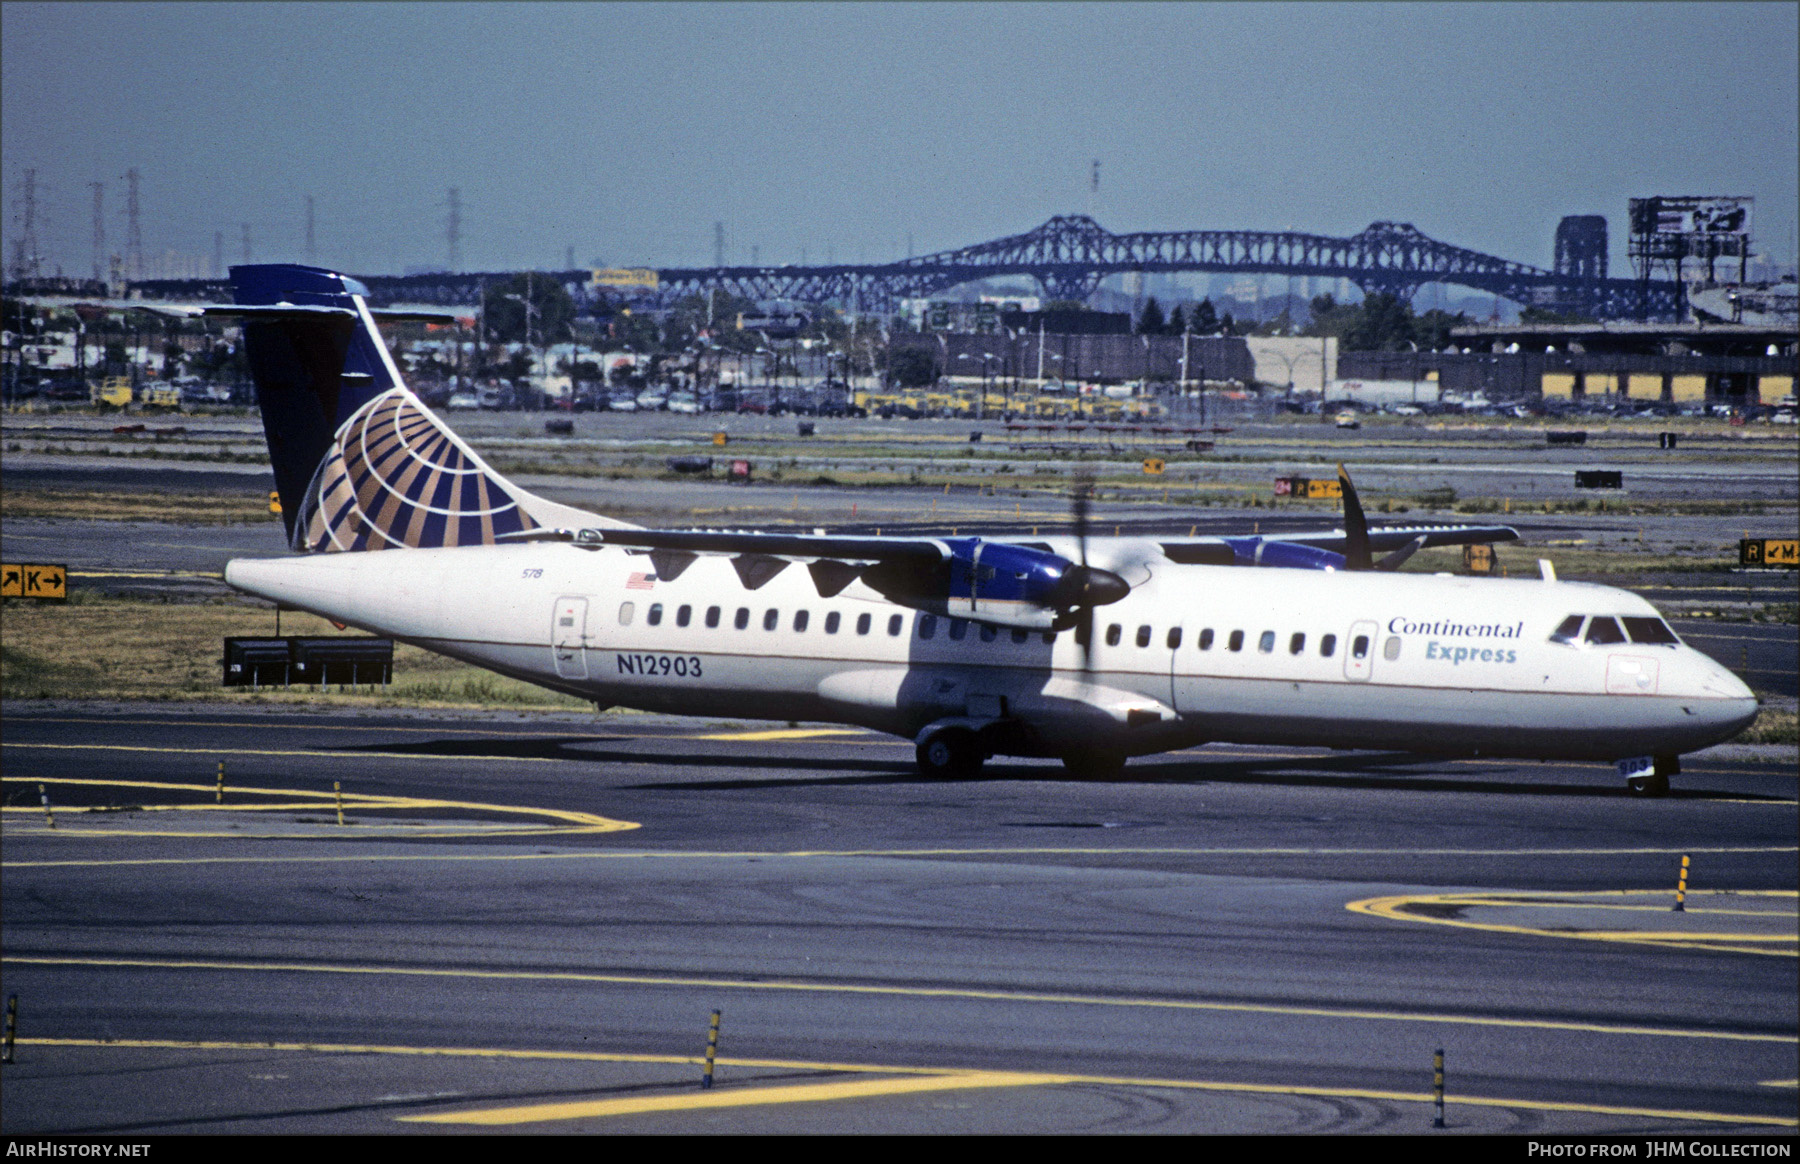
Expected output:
(49, 817)
(1437, 1087)
(337, 790)
(712, 1051)
(219, 792)
(1681, 887)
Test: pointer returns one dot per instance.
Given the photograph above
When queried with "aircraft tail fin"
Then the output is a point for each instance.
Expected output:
(360, 462)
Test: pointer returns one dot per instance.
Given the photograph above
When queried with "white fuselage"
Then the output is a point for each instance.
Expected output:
(1444, 664)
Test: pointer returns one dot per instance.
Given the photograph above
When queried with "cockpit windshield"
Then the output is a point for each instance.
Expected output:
(1605, 630)
(1650, 630)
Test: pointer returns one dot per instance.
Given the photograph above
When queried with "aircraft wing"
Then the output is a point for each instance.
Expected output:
(1203, 550)
(1022, 585)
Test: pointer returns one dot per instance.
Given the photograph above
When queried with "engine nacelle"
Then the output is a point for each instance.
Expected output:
(1258, 551)
(998, 582)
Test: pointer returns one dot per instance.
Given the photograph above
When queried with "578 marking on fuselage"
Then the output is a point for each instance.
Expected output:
(682, 666)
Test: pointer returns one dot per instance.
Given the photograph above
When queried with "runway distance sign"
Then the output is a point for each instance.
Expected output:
(26, 580)
(1769, 552)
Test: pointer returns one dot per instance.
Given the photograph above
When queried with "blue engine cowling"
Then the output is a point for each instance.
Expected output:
(1001, 583)
(1258, 551)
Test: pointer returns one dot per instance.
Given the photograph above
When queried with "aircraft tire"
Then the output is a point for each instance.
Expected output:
(1655, 784)
(1095, 765)
(952, 754)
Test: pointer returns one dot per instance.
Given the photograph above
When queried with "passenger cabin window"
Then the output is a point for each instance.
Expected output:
(1296, 644)
(1328, 646)
(771, 619)
(862, 624)
(831, 622)
(684, 615)
(801, 618)
(958, 628)
(1174, 639)
(1359, 647)
(1112, 634)
(626, 610)
(1204, 642)
(743, 618)
(654, 615)
(1568, 630)
(1390, 650)
(928, 626)
(1020, 634)
(712, 616)
(1266, 642)
(988, 631)
(1603, 631)
(1651, 630)
(1236, 641)
(1143, 636)
(896, 624)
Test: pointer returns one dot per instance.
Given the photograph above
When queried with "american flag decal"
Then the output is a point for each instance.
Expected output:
(641, 582)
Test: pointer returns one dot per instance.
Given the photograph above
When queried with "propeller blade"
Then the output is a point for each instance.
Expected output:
(1356, 527)
(1084, 633)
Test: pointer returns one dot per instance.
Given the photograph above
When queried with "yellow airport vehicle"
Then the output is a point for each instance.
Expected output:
(114, 390)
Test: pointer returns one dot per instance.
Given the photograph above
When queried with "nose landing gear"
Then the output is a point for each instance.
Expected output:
(1649, 775)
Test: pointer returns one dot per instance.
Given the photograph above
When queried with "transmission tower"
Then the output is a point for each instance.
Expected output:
(99, 189)
(134, 235)
(25, 249)
(454, 232)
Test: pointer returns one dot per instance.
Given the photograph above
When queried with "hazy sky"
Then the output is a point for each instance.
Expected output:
(626, 131)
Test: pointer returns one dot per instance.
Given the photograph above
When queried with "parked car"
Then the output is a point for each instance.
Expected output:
(622, 402)
(685, 403)
(1348, 420)
(464, 400)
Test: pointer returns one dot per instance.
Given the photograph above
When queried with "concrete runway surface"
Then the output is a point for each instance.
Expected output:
(526, 922)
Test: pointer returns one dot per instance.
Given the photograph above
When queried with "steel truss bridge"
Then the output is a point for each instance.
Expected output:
(1070, 255)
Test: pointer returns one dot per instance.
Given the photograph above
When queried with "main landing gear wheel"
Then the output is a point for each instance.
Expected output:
(1654, 784)
(952, 754)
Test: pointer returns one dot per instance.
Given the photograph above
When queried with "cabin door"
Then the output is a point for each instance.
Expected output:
(568, 638)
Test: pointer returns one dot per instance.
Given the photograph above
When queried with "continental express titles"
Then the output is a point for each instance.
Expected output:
(1484, 642)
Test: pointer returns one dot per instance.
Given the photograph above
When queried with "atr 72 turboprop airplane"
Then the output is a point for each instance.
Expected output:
(1088, 649)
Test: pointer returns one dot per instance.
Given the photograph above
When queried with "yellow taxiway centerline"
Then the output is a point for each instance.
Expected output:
(958, 1077)
(748, 1097)
(318, 801)
(1396, 908)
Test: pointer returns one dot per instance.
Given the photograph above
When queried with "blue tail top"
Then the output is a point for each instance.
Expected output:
(316, 358)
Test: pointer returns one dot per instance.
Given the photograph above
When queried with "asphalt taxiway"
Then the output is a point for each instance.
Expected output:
(524, 923)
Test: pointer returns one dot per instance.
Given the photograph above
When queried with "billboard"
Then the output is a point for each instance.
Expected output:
(634, 277)
(1686, 216)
